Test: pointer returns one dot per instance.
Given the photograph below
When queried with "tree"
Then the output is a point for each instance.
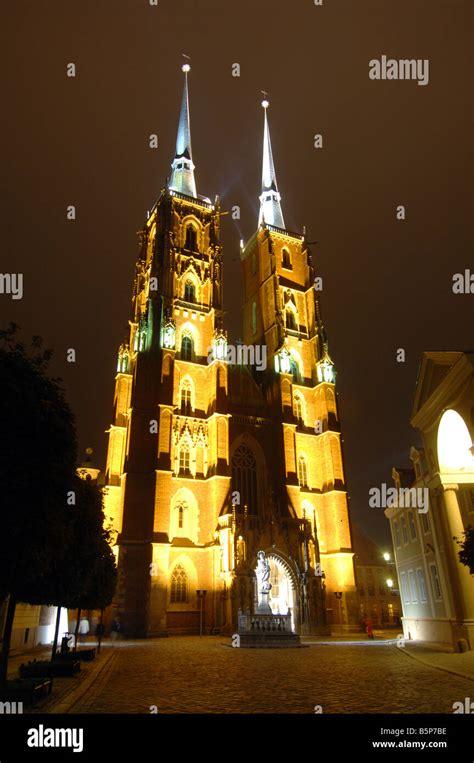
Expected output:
(466, 555)
(92, 559)
(37, 463)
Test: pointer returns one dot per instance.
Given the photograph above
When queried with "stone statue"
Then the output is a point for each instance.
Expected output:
(263, 573)
(263, 581)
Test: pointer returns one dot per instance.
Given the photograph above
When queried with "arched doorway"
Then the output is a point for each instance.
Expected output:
(282, 594)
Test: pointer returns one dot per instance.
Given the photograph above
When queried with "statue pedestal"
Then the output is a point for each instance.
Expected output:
(263, 605)
(267, 631)
(264, 629)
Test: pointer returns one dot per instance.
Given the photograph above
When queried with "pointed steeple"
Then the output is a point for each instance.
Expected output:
(182, 167)
(270, 208)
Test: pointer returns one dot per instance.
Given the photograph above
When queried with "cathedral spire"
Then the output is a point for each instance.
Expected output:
(270, 208)
(182, 167)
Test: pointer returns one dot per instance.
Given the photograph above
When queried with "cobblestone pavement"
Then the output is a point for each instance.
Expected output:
(193, 675)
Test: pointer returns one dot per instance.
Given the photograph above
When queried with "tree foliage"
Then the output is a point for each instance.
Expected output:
(466, 555)
(53, 547)
(37, 459)
(93, 559)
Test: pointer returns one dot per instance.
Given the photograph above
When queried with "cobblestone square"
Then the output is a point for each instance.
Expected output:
(193, 675)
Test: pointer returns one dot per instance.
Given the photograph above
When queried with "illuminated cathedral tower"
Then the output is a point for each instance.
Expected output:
(281, 311)
(210, 459)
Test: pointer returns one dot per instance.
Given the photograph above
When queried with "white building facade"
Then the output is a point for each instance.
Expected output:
(436, 505)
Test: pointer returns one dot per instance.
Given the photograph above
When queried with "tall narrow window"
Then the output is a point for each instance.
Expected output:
(187, 347)
(295, 371)
(191, 239)
(298, 409)
(421, 584)
(184, 459)
(413, 588)
(244, 477)
(286, 259)
(425, 522)
(186, 398)
(189, 291)
(290, 320)
(302, 472)
(436, 585)
(411, 522)
(179, 585)
(405, 591)
(180, 517)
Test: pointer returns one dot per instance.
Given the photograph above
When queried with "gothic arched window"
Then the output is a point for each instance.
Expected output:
(189, 291)
(184, 459)
(286, 259)
(191, 238)
(187, 347)
(298, 409)
(302, 472)
(295, 371)
(290, 320)
(179, 585)
(186, 398)
(180, 516)
(244, 477)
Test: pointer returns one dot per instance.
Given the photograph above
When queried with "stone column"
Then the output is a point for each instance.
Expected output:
(456, 530)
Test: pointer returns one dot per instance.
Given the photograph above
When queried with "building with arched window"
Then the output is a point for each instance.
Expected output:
(210, 462)
(434, 505)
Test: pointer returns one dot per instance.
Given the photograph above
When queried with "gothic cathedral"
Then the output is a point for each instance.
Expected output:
(216, 451)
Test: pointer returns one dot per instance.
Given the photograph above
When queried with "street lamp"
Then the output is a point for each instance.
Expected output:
(389, 582)
(386, 556)
(200, 595)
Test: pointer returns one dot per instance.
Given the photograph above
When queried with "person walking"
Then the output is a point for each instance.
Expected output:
(369, 628)
(83, 629)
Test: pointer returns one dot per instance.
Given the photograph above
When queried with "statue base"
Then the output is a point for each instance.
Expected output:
(266, 631)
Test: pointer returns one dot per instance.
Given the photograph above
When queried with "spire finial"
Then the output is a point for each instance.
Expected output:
(182, 166)
(270, 208)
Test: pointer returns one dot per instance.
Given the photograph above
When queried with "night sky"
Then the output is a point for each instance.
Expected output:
(84, 141)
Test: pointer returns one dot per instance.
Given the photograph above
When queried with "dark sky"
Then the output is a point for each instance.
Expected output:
(84, 141)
